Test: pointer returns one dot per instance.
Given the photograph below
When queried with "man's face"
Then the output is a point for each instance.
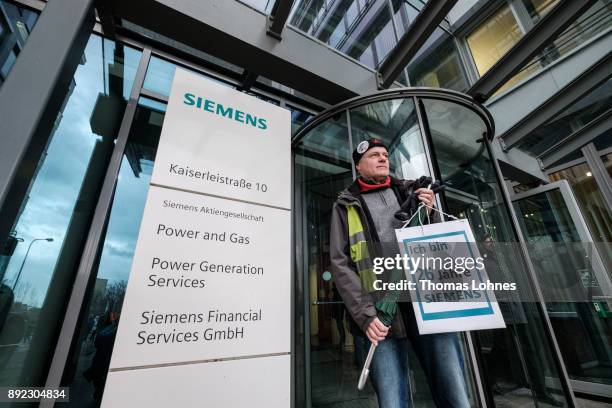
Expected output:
(374, 164)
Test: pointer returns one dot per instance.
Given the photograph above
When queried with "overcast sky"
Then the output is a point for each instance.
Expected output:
(54, 192)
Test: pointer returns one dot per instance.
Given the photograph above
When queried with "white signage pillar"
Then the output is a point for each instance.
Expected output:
(206, 316)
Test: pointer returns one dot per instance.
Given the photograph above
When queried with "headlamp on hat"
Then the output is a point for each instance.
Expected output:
(364, 146)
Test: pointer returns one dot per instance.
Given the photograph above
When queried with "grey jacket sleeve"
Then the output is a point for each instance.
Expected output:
(358, 303)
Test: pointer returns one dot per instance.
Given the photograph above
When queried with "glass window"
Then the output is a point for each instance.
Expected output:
(572, 118)
(558, 254)
(395, 122)
(438, 64)
(16, 22)
(607, 160)
(7, 64)
(362, 30)
(595, 20)
(37, 274)
(603, 141)
(597, 214)
(493, 38)
(404, 14)
(93, 343)
(322, 169)
(160, 74)
(538, 8)
(298, 118)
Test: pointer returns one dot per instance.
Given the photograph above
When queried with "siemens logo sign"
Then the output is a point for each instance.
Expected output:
(225, 111)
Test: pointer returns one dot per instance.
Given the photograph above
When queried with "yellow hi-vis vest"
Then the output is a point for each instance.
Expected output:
(360, 253)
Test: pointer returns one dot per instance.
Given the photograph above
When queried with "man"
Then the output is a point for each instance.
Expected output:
(365, 212)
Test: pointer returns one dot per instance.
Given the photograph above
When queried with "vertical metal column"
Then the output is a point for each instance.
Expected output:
(95, 236)
(349, 134)
(32, 96)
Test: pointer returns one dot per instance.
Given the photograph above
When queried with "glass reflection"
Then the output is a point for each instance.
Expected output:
(582, 332)
(298, 118)
(437, 64)
(37, 272)
(16, 23)
(361, 29)
(573, 117)
(516, 360)
(594, 21)
(160, 74)
(395, 122)
(590, 199)
(493, 38)
(322, 169)
(93, 344)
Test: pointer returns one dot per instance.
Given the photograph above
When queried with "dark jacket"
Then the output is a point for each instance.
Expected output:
(359, 303)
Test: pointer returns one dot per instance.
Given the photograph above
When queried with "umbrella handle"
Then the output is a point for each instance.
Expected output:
(366, 368)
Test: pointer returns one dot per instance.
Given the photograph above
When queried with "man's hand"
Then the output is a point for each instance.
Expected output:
(377, 331)
(426, 196)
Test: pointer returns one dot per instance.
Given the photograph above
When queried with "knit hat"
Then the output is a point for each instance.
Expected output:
(364, 146)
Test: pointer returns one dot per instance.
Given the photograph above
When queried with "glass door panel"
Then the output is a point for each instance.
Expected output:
(396, 123)
(559, 244)
(322, 168)
(517, 364)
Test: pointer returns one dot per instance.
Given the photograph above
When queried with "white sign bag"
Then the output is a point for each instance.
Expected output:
(444, 300)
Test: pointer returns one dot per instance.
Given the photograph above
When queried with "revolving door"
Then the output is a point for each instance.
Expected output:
(445, 135)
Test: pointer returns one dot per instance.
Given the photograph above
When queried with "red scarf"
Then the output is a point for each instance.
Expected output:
(365, 187)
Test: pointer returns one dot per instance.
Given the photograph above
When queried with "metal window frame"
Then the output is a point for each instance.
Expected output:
(521, 15)
(532, 42)
(576, 162)
(584, 233)
(463, 31)
(331, 75)
(37, 5)
(420, 29)
(270, 92)
(277, 18)
(599, 171)
(577, 139)
(582, 84)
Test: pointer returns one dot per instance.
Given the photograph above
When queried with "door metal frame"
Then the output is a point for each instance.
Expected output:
(547, 325)
(578, 220)
(584, 234)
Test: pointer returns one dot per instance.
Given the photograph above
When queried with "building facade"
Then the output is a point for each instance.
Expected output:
(83, 91)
